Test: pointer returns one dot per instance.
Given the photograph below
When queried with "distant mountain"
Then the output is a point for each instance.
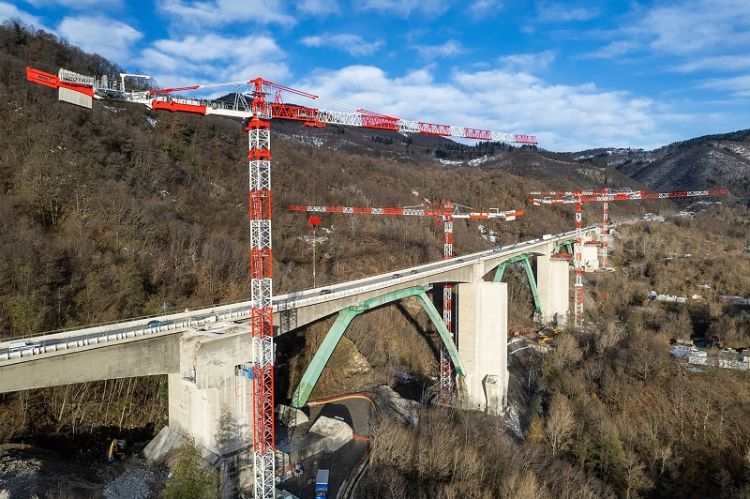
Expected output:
(703, 162)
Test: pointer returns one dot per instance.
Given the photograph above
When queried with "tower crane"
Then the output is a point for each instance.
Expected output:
(605, 213)
(604, 196)
(257, 110)
(443, 212)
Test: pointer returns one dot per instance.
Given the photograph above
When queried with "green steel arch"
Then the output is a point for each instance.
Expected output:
(524, 259)
(345, 317)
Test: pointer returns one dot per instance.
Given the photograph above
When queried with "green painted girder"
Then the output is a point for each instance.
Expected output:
(345, 317)
(525, 261)
(500, 271)
(567, 245)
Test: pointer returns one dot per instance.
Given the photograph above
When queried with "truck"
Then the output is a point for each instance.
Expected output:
(321, 484)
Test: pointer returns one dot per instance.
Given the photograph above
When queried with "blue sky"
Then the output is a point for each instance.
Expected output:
(576, 74)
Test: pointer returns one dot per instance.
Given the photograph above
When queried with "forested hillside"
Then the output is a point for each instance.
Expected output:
(111, 213)
(610, 413)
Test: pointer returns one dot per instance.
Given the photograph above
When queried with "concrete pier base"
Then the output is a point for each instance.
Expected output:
(590, 256)
(553, 286)
(482, 345)
(212, 405)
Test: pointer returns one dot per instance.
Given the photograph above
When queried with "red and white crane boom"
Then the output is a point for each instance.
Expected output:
(444, 212)
(257, 109)
(162, 99)
(604, 196)
(608, 197)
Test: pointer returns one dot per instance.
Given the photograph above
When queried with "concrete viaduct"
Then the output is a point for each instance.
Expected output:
(202, 351)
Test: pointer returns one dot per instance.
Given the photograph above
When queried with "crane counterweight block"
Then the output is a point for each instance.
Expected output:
(52, 81)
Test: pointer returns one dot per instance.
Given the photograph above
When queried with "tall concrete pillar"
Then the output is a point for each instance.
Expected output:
(590, 256)
(553, 286)
(207, 400)
(482, 344)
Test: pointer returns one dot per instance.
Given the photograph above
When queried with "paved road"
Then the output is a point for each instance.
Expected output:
(237, 312)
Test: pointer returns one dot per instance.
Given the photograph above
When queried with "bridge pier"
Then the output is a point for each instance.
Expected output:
(590, 254)
(553, 285)
(210, 404)
(482, 345)
(207, 400)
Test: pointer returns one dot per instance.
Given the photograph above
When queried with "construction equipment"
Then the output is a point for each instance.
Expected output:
(116, 450)
(256, 109)
(605, 197)
(444, 212)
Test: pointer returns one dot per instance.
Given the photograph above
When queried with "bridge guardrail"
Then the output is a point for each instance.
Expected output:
(57, 340)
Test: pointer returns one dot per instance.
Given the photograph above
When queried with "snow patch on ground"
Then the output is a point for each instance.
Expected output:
(471, 162)
(449, 162)
(739, 150)
(216, 190)
(316, 142)
(479, 161)
(487, 234)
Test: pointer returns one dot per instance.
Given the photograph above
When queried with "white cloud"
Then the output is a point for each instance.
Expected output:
(10, 11)
(448, 49)
(718, 63)
(528, 63)
(213, 47)
(737, 85)
(346, 42)
(565, 117)
(485, 8)
(612, 50)
(319, 8)
(693, 26)
(107, 37)
(686, 28)
(196, 14)
(404, 8)
(212, 58)
(552, 12)
(77, 4)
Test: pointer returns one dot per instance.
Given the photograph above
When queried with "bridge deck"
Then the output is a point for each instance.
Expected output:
(291, 311)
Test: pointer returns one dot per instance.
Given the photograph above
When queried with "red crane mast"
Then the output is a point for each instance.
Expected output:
(257, 109)
(444, 212)
(604, 196)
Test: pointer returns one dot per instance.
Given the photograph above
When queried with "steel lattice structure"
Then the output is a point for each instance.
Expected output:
(258, 110)
(604, 196)
(445, 212)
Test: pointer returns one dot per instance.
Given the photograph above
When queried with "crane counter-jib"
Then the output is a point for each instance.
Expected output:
(163, 99)
(256, 109)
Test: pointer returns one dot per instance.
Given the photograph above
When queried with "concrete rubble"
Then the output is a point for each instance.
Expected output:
(336, 433)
